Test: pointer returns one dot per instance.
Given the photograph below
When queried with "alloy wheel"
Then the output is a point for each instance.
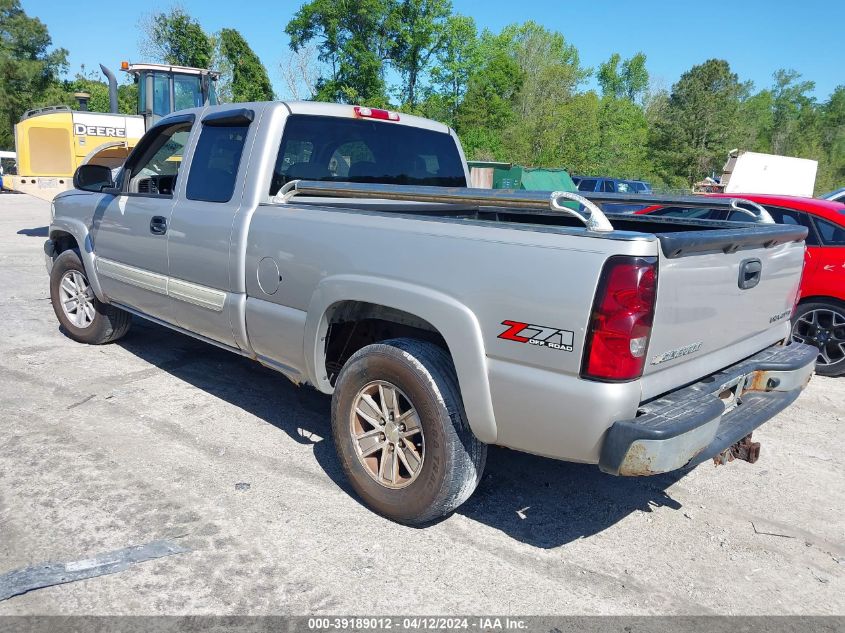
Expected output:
(825, 329)
(387, 434)
(77, 299)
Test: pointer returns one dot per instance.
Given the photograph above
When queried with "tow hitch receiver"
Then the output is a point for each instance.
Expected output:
(745, 450)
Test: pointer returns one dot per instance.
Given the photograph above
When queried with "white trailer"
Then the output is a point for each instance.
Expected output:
(752, 172)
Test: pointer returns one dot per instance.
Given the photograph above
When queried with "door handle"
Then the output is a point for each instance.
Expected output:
(158, 225)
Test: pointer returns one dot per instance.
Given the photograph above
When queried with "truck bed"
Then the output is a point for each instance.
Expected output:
(677, 236)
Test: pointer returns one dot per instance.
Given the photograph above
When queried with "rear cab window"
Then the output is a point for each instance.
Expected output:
(332, 149)
(216, 159)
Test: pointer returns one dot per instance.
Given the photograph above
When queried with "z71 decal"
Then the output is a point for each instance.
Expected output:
(538, 335)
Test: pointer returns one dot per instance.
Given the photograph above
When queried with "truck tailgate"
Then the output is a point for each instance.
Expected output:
(715, 308)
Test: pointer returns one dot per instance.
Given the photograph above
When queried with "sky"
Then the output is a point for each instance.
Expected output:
(756, 37)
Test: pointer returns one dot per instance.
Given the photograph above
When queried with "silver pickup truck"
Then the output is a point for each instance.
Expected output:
(341, 246)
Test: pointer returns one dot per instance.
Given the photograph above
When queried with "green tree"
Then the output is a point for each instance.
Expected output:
(488, 107)
(421, 32)
(29, 70)
(692, 136)
(636, 76)
(756, 122)
(127, 94)
(550, 66)
(456, 61)
(578, 135)
(249, 81)
(629, 81)
(832, 167)
(623, 141)
(353, 39)
(177, 38)
(551, 72)
(790, 104)
(610, 78)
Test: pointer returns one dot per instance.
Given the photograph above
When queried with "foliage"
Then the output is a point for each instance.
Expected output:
(250, 81)
(550, 73)
(420, 31)
(700, 123)
(353, 39)
(174, 37)
(127, 94)
(515, 95)
(29, 70)
(177, 38)
(630, 81)
(488, 106)
(456, 61)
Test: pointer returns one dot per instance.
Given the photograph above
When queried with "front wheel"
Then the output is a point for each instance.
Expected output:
(84, 318)
(822, 324)
(401, 433)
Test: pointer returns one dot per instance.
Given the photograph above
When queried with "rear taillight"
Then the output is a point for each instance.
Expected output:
(621, 320)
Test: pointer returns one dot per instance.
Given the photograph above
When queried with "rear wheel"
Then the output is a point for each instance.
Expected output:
(822, 324)
(84, 318)
(401, 432)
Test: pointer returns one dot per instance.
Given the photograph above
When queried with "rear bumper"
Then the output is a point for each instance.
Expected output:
(698, 422)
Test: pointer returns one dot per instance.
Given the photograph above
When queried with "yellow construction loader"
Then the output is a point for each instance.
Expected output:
(52, 142)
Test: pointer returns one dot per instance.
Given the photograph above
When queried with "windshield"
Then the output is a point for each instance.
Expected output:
(355, 150)
(187, 91)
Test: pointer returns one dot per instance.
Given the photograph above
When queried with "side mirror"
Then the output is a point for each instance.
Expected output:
(93, 178)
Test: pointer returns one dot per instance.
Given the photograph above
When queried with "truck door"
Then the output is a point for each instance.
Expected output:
(203, 267)
(130, 228)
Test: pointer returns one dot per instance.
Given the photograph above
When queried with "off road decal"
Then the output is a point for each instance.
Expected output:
(538, 335)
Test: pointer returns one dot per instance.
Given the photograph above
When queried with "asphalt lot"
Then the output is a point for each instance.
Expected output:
(107, 447)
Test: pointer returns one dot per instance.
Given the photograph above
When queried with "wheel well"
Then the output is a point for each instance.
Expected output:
(821, 299)
(63, 241)
(356, 324)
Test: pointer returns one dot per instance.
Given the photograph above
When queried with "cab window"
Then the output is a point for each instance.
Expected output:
(155, 169)
(215, 163)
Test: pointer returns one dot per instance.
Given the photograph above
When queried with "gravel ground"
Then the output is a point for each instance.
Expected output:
(163, 437)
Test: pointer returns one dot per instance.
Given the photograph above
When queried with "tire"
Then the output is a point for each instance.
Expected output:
(88, 320)
(822, 324)
(449, 459)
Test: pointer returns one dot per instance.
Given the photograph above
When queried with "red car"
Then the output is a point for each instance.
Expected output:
(820, 317)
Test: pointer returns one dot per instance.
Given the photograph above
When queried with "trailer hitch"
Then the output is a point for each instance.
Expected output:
(745, 449)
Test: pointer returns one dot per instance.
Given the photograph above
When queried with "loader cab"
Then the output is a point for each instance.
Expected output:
(163, 89)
